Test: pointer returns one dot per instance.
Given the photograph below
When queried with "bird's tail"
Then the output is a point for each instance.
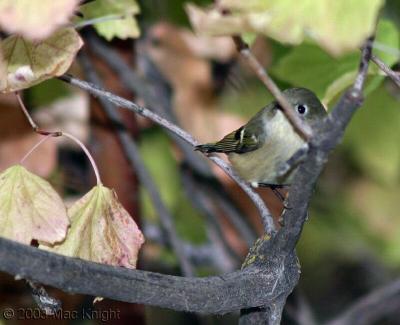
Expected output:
(207, 148)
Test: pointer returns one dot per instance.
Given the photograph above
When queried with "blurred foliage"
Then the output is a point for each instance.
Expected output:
(157, 154)
(373, 138)
(354, 214)
(171, 11)
(309, 66)
(290, 24)
(46, 93)
(124, 27)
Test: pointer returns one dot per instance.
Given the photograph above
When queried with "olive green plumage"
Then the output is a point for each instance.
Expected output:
(257, 149)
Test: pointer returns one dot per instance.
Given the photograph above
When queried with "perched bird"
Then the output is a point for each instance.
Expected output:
(259, 148)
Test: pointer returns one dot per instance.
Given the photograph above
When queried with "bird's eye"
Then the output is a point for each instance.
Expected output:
(302, 109)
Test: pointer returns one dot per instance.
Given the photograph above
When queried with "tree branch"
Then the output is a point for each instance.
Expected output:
(124, 103)
(371, 308)
(133, 155)
(395, 76)
(214, 295)
(156, 96)
(302, 128)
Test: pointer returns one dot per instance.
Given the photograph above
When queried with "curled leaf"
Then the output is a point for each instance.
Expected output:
(101, 231)
(29, 63)
(30, 208)
(35, 20)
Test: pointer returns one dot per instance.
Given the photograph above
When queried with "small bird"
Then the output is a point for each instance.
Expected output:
(258, 149)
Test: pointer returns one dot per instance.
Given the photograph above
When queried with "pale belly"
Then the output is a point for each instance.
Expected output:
(261, 165)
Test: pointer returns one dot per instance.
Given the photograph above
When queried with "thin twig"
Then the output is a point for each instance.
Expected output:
(25, 111)
(395, 76)
(157, 98)
(132, 153)
(124, 103)
(215, 230)
(302, 128)
(34, 126)
(372, 307)
(199, 255)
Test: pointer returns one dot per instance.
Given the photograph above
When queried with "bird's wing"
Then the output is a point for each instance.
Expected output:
(245, 139)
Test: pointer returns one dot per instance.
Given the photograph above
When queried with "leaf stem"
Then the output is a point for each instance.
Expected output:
(48, 134)
(46, 137)
(25, 111)
(97, 20)
(80, 143)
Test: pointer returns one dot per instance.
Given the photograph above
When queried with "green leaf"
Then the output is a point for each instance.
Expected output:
(101, 231)
(373, 138)
(35, 20)
(309, 66)
(29, 63)
(155, 149)
(378, 207)
(123, 26)
(337, 26)
(30, 208)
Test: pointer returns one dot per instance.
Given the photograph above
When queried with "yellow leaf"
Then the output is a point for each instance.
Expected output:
(30, 208)
(33, 19)
(338, 26)
(29, 63)
(123, 25)
(101, 231)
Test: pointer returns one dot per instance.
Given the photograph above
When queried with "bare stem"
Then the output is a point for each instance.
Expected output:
(86, 151)
(98, 20)
(25, 110)
(34, 126)
(124, 103)
(35, 147)
(395, 76)
(299, 126)
(48, 134)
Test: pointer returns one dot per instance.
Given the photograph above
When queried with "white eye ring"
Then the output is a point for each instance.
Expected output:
(302, 109)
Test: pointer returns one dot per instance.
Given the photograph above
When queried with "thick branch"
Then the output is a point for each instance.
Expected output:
(124, 103)
(215, 295)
